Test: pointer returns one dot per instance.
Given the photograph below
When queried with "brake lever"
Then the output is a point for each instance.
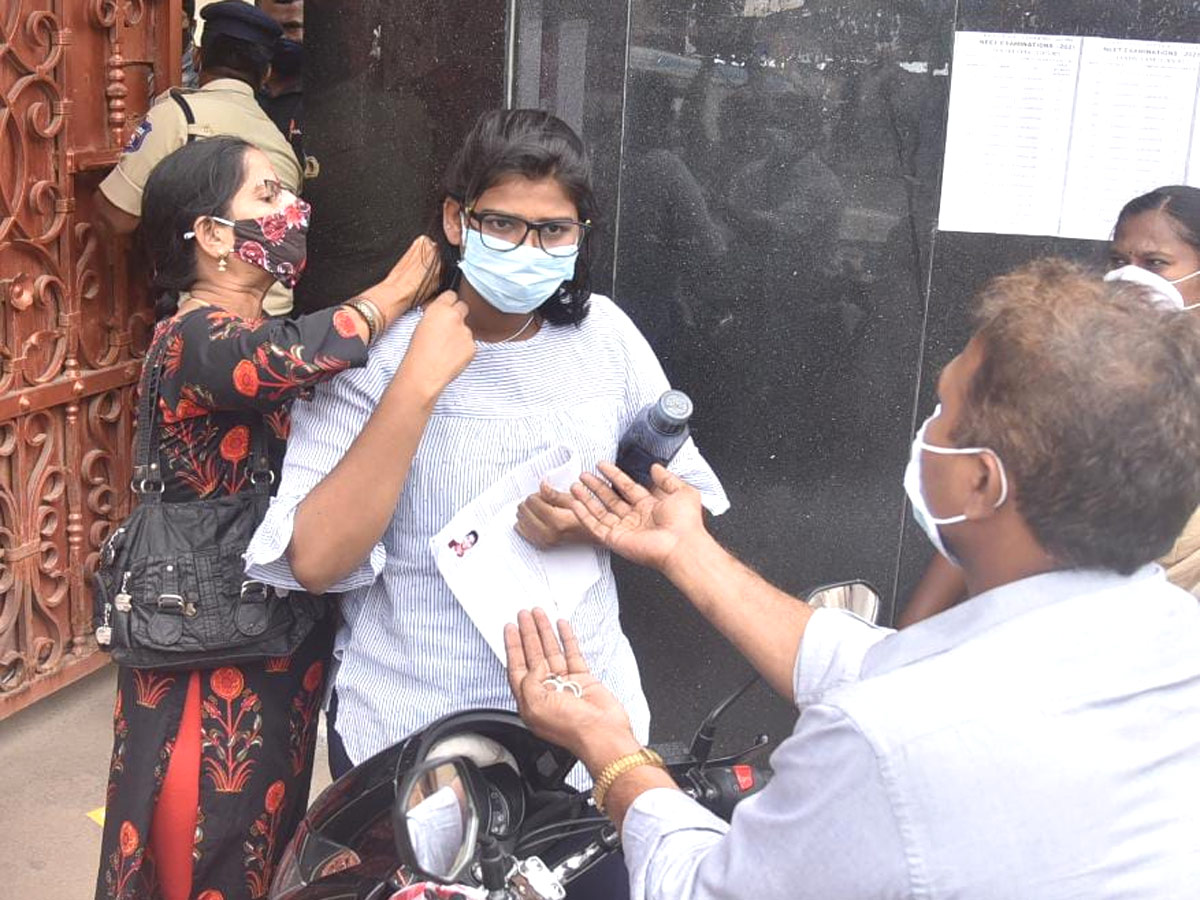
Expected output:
(734, 758)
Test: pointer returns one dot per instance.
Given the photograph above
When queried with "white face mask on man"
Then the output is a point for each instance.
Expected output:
(916, 495)
(1168, 294)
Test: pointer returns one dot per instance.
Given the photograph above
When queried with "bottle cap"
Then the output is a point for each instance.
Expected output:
(671, 413)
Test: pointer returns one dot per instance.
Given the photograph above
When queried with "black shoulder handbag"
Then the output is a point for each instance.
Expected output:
(170, 590)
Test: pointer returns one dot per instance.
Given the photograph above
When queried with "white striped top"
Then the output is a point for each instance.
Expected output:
(408, 652)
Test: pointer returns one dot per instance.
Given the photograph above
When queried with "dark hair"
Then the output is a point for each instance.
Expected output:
(1179, 201)
(198, 179)
(231, 57)
(1090, 395)
(535, 144)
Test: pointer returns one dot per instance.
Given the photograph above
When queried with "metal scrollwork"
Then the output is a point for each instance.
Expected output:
(33, 541)
(106, 467)
(100, 344)
(114, 13)
(73, 317)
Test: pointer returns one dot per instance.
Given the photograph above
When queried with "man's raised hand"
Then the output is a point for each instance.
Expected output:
(645, 527)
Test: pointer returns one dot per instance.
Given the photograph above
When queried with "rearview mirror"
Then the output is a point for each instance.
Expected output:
(438, 819)
(858, 597)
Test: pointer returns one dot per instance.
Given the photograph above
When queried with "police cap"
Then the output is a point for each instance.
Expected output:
(241, 20)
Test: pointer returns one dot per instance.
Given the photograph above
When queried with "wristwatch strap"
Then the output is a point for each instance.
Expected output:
(614, 770)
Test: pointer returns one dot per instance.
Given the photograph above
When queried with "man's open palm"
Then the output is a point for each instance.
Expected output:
(645, 527)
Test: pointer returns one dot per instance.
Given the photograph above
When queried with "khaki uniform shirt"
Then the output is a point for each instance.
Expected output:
(224, 106)
(1183, 562)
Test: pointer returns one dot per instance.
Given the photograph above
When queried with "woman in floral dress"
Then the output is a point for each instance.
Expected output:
(211, 768)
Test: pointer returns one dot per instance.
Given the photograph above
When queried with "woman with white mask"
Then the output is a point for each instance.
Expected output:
(1159, 233)
(554, 366)
(1156, 243)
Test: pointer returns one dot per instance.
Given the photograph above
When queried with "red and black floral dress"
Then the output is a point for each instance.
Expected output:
(257, 722)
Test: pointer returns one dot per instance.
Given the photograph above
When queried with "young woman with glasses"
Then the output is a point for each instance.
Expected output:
(554, 365)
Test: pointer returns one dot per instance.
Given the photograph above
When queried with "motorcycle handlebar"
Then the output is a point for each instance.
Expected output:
(717, 788)
(721, 788)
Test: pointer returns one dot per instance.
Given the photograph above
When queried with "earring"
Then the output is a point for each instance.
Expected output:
(223, 261)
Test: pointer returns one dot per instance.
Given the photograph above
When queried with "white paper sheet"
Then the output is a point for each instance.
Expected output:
(1131, 130)
(1011, 97)
(496, 573)
(1052, 135)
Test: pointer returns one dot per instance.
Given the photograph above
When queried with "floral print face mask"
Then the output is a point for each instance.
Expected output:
(276, 243)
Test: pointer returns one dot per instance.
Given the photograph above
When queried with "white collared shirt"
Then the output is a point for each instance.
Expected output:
(1039, 741)
(408, 651)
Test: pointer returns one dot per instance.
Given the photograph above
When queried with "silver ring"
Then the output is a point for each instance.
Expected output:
(559, 684)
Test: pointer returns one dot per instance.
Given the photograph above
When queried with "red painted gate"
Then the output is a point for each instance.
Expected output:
(74, 316)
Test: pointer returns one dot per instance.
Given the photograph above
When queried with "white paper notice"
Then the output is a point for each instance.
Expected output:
(1011, 97)
(1052, 135)
(494, 572)
(1131, 130)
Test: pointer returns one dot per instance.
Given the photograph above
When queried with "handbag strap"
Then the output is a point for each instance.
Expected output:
(147, 480)
(261, 475)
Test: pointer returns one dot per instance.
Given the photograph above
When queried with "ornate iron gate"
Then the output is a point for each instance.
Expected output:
(74, 315)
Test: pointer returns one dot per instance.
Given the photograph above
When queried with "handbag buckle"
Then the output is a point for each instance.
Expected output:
(176, 602)
(254, 587)
(146, 480)
(262, 477)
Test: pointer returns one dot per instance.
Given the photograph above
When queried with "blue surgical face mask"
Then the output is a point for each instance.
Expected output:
(916, 494)
(514, 281)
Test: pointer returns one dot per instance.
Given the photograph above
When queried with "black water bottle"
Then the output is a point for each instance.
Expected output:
(655, 436)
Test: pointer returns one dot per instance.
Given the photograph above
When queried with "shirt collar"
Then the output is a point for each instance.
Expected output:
(229, 84)
(993, 608)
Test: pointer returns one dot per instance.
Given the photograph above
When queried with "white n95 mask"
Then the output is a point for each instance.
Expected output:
(916, 496)
(1166, 293)
(514, 281)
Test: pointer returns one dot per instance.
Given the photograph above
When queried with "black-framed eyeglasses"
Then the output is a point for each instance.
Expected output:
(504, 232)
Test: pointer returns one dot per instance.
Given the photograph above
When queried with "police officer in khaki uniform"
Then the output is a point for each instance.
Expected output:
(235, 56)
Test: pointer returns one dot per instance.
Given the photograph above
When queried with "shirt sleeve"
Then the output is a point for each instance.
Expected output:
(645, 383)
(823, 827)
(322, 430)
(159, 134)
(218, 361)
(832, 651)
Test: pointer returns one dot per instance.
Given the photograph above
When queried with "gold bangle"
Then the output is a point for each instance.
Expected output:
(366, 316)
(374, 308)
(614, 770)
(370, 314)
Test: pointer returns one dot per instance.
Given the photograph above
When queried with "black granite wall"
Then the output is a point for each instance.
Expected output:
(770, 185)
(390, 88)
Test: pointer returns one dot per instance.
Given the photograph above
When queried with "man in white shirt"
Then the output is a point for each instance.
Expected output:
(1042, 740)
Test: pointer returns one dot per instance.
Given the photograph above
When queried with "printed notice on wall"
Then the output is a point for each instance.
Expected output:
(1051, 135)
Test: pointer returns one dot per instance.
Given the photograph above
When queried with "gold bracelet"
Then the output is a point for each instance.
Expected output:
(370, 314)
(614, 770)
